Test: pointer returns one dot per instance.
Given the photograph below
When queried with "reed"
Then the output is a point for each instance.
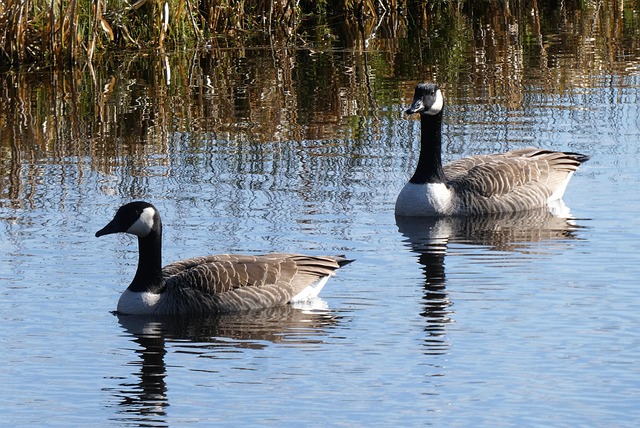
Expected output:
(58, 31)
(53, 32)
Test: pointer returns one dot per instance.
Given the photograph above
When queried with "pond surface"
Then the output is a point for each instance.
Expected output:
(520, 320)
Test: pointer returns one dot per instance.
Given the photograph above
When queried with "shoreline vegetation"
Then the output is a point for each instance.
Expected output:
(59, 31)
(67, 32)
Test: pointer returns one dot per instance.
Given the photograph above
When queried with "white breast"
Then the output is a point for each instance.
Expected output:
(138, 303)
(425, 200)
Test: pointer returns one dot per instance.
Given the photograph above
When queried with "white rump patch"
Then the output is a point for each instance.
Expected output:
(143, 224)
(138, 303)
(559, 192)
(437, 105)
(311, 291)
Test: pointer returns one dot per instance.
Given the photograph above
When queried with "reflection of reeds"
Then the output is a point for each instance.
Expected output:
(128, 111)
(126, 115)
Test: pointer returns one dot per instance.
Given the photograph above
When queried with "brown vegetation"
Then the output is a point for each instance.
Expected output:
(56, 31)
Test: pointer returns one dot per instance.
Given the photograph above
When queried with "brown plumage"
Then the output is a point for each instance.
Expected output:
(512, 181)
(231, 282)
(212, 284)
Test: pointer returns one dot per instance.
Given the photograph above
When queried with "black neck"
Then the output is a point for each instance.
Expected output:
(149, 274)
(429, 169)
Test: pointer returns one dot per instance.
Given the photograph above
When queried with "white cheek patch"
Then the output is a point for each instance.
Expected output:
(437, 105)
(143, 224)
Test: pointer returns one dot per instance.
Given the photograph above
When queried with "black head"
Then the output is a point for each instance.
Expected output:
(137, 218)
(427, 99)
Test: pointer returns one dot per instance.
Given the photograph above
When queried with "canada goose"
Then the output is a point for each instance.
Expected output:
(512, 181)
(211, 284)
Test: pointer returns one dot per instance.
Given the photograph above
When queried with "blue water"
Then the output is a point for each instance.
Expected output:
(529, 321)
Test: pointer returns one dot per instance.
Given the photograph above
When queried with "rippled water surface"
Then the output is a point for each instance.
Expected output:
(519, 320)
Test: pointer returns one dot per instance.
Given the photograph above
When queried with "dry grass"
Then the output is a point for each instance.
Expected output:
(58, 31)
(53, 32)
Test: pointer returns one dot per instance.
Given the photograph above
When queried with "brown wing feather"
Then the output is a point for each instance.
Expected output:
(221, 273)
(500, 174)
(227, 283)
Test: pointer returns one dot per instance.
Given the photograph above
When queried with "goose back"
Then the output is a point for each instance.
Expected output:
(512, 181)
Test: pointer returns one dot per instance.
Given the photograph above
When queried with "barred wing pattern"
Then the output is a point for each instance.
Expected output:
(227, 283)
(512, 181)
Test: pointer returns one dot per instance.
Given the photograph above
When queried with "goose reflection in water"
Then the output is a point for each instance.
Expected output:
(210, 337)
(513, 232)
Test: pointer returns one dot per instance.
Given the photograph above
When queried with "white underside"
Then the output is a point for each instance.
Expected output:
(311, 305)
(559, 209)
(138, 303)
(421, 200)
(311, 292)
